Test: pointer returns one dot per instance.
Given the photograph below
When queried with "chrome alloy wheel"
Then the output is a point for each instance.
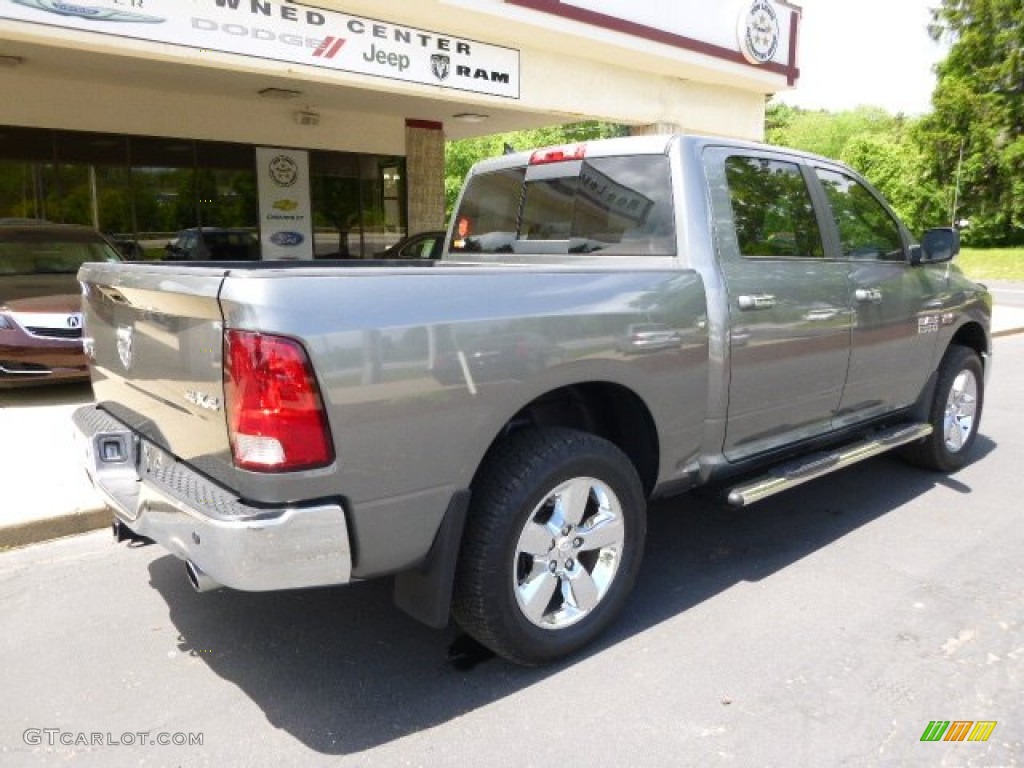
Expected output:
(961, 408)
(568, 553)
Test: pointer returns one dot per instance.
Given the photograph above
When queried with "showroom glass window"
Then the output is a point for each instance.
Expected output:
(148, 192)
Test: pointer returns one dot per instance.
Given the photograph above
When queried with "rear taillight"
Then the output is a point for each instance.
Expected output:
(276, 420)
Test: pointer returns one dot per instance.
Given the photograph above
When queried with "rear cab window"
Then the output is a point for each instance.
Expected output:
(487, 221)
(602, 205)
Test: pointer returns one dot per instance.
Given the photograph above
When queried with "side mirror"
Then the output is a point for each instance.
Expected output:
(937, 245)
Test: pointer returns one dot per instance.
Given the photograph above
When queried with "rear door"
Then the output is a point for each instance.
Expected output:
(789, 314)
(896, 305)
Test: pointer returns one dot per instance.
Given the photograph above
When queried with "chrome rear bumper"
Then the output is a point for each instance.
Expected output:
(239, 546)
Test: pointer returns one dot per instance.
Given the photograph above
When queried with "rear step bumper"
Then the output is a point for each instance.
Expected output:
(237, 545)
(807, 468)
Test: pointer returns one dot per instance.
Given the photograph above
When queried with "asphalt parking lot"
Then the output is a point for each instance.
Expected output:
(826, 626)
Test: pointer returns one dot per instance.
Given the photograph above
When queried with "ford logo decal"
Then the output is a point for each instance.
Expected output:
(287, 239)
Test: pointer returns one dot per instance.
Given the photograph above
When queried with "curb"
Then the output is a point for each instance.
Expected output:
(1007, 332)
(38, 531)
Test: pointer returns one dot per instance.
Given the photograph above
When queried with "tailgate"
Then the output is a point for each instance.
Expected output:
(154, 334)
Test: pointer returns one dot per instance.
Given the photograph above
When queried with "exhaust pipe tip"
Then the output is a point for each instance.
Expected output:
(199, 580)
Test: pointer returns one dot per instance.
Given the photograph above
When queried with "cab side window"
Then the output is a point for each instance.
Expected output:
(772, 209)
(866, 230)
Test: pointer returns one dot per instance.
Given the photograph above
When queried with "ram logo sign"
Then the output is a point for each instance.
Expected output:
(290, 32)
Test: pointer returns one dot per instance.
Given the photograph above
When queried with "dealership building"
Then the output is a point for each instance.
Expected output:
(321, 125)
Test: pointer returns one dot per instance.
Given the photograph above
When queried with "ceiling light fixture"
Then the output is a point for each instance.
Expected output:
(470, 117)
(279, 93)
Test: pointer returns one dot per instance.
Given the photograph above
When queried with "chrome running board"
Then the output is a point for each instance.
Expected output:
(806, 468)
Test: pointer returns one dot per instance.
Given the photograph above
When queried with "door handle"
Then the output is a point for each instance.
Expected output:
(760, 301)
(865, 295)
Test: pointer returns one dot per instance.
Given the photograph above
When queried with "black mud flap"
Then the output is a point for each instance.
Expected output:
(425, 592)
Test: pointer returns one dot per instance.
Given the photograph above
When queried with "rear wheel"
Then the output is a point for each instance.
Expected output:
(552, 546)
(954, 415)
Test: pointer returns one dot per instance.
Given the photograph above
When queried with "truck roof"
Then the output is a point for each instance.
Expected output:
(631, 145)
(627, 145)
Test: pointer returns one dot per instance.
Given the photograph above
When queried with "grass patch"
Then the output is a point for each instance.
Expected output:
(992, 263)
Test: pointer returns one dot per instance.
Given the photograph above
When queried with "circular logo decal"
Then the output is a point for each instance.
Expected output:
(283, 171)
(287, 239)
(759, 32)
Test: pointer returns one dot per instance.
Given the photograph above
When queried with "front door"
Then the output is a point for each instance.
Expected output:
(896, 305)
(789, 313)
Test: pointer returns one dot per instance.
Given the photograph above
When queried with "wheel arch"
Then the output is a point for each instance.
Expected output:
(973, 336)
(606, 409)
(603, 408)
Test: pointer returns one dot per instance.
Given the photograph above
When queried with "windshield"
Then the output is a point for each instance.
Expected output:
(48, 253)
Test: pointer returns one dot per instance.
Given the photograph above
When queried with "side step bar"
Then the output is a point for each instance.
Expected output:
(795, 473)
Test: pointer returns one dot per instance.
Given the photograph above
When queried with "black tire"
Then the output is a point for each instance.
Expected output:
(959, 391)
(520, 497)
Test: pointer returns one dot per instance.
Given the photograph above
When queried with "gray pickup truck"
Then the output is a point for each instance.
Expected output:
(610, 323)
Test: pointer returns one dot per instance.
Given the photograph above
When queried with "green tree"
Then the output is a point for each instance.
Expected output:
(976, 131)
(825, 133)
(895, 164)
(886, 149)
